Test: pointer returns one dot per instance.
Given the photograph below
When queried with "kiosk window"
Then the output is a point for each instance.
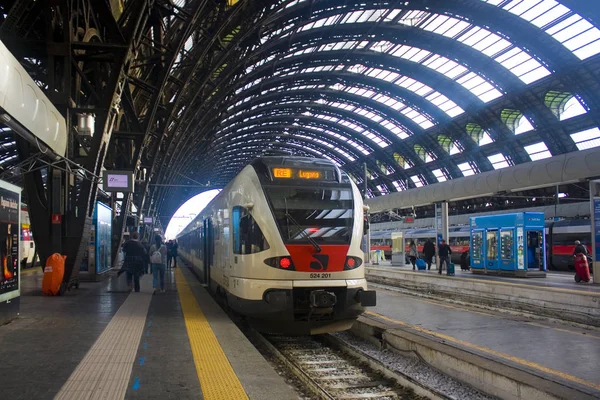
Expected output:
(477, 242)
(506, 244)
(492, 245)
(247, 235)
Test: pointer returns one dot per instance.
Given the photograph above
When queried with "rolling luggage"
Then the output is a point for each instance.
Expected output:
(421, 264)
(450, 269)
(582, 269)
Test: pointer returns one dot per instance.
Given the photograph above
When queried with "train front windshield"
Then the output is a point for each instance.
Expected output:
(323, 214)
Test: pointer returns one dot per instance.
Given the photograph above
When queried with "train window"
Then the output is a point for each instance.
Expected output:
(324, 214)
(248, 238)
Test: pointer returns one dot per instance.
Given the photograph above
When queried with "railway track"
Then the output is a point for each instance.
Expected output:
(330, 373)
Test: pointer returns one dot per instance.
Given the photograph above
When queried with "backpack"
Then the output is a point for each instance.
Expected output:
(156, 257)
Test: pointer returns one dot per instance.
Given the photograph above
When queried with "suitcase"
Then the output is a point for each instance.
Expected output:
(421, 264)
(450, 269)
(582, 269)
(53, 275)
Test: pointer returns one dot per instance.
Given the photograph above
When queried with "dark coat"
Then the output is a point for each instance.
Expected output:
(580, 249)
(444, 250)
(135, 256)
(429, 249)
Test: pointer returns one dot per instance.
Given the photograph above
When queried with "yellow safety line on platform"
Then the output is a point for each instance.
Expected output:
(475, 280)
(216, 376)
(517, 360)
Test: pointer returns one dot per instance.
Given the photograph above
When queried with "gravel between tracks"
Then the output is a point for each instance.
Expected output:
(418, 370)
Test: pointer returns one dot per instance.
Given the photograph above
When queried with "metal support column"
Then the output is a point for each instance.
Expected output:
(595, 231)
(368, 233)
(441, 221)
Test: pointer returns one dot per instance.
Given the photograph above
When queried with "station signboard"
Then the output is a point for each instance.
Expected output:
(118, 181)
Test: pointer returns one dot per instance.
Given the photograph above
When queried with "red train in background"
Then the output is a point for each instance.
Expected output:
(560, 241)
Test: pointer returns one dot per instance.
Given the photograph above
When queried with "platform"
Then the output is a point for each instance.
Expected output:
(103, 342)
(554, 296)
(556, 357)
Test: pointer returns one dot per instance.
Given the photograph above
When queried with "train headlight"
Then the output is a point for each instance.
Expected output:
(285, 263)
(352, 262)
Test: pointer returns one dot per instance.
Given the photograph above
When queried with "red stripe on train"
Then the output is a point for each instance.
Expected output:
(331, 258)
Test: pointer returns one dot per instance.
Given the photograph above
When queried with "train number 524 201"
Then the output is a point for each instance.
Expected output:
(320, 276)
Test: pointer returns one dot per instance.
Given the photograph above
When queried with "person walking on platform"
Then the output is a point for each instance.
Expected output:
(169, 253)
(429, 252)
(444, 252)
(158, 258)
(135, 257)
(174, 253)
(413, 254)
(147, 262)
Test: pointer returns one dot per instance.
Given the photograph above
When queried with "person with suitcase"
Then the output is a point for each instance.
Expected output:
(444, 252)
(428, 252)
(413, 254)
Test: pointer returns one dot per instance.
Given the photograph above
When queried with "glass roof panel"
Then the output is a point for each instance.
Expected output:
(574, 32)
(439, 175)
(587, 139)
(466, 169)
(538, 151)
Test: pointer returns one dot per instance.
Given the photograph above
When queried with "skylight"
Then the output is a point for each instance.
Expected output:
(439, 175)
(571, 29)
(587, 139)
(417, 180)
(572, 109)
(538, 151)
(499, 161)
(523, 126)
(485, 139)
(466, 169)
(397, 185)
(471, 81)
(480, 39)
(382, 189)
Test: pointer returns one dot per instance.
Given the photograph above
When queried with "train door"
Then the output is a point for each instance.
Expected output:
(207, 250)
(535, 250)
(492, 241)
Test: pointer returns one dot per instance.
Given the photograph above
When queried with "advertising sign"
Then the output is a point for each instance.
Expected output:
(597, 227)
(520, 249)
(9, 243)
(103, 237)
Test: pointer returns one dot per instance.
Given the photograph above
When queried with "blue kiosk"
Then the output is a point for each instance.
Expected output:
(508, 244)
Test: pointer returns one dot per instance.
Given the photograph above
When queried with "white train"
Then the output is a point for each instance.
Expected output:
(281, 244)
(27, 245)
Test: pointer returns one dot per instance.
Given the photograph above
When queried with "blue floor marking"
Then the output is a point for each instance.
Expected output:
(136, 384)
(150, 324)
(142, 360)
(147, 333)
(145, 345)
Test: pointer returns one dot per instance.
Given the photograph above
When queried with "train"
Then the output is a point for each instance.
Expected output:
(27, 251)
(560, 241)
(280, 245)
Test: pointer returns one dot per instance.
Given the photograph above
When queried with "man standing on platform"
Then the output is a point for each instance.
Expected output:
(135, 257)
(429, 252)
(444, 252)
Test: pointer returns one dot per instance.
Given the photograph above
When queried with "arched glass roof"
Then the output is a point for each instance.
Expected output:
(419, 91)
